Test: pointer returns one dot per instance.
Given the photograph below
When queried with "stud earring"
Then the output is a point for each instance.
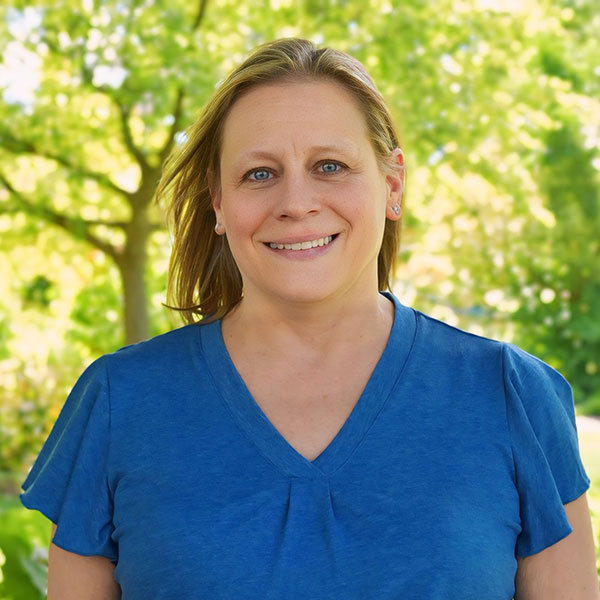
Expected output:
(219, 229)
(396, 210)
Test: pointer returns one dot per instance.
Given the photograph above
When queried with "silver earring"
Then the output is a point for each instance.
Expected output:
(396, 210)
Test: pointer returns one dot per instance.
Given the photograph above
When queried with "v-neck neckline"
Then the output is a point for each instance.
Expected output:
(267, 438)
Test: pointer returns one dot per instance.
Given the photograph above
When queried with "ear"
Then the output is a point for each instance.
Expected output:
(395, 184)
(214, 189)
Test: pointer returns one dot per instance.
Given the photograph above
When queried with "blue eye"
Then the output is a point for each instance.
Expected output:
(259, 175)
(330, 167)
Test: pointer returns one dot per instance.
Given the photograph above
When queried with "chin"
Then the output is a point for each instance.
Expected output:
(309, 293)
(310, 288)
(303, 295)
(294, 292)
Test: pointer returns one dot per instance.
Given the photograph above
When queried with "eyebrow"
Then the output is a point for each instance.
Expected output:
(336, 148)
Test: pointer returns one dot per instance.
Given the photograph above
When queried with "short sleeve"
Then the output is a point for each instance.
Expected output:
(68, 482)
(548, 468)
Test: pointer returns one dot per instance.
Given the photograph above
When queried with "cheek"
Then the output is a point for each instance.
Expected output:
(242, 220)
(366, 203)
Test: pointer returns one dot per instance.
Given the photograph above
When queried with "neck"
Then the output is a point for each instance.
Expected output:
(315, 326)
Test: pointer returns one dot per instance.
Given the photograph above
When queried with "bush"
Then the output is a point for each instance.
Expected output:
(24, 541)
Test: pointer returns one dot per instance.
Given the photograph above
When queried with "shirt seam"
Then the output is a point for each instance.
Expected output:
(110, 419)
(235, 417)
(393, 388)
(508, 428)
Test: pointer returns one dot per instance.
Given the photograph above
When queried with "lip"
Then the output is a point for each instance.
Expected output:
(303, 255)
(301, 238)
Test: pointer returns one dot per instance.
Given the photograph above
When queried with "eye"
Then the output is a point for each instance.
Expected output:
(329, 168)
(258, 175)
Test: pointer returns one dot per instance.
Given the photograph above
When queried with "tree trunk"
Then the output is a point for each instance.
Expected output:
(132, 263)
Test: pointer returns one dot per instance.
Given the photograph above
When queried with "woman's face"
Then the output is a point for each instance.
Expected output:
(301, 196)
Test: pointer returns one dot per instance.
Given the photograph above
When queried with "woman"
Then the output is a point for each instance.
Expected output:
(311, 437)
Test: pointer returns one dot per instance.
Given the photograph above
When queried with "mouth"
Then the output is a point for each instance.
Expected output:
(307, 245)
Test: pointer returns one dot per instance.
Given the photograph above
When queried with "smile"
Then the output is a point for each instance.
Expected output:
(303, 245)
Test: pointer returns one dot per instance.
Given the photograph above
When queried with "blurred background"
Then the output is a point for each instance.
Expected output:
(498, 106)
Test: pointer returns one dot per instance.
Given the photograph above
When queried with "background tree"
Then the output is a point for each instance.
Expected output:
(104, 117)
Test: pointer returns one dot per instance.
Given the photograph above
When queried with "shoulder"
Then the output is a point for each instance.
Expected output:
(440, 338)
(519, 367)
(157, 359)
(524, 370)
(151, 373)
(170, 346)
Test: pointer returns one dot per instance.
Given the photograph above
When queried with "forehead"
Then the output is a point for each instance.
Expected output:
(317, 113)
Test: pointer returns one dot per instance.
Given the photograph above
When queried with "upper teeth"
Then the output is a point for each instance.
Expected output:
(303, 245)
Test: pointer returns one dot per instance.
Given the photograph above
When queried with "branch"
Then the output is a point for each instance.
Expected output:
(139, 156)
(200, 15)
(116, 224)
(17, 209)
(14, 144)
(178, 106)
(87, 78)
(75, 226)
(176, 112)
(124, 112)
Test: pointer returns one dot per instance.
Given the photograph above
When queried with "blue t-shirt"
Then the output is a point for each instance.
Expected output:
(456, 460)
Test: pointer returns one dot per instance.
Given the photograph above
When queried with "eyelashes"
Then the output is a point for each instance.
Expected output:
(263, 174)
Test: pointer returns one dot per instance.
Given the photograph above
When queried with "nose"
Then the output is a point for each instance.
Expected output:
(296, 197)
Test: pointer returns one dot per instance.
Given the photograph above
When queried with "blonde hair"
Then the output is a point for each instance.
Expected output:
(204, 281)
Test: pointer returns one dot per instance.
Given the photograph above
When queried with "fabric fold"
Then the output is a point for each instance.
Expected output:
(548, 468)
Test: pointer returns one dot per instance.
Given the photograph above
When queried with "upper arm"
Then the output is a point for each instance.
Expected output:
(75, 577)
(565, 570)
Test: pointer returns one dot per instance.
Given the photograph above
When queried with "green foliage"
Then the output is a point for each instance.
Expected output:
(96, 316)
(31, 396)
(5, 336)
(37, 291)
(25, 410)
(24, 541)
